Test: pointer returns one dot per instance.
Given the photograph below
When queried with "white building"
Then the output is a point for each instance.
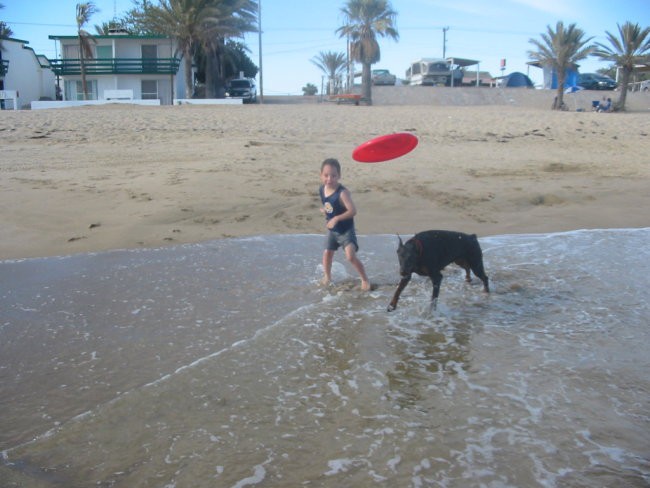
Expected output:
(24, 72)
(143, 67)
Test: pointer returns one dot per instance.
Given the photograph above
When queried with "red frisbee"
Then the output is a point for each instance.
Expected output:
(386, 147)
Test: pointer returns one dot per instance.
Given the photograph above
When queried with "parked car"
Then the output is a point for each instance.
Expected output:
(594, 81)
(243, 88)
(383, 77)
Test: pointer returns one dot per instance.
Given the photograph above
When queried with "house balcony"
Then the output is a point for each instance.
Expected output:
(116, 66)
(4, 66)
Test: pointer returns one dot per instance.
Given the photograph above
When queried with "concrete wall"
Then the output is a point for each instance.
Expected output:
(78, 103)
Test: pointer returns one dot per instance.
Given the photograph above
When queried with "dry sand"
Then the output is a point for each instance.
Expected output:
(122, 176)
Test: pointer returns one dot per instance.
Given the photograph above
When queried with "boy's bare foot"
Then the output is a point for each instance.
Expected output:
(325, 281)
(365, 286)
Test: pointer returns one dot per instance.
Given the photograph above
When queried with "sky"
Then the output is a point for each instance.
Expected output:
(294, 33)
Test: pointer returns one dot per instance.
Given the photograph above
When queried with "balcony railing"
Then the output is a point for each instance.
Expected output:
(116, 66)
(4, 66)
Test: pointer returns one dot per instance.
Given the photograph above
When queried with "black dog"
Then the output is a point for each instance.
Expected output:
(427, 253)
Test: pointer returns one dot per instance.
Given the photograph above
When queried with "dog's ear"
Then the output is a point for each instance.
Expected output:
(401, 244)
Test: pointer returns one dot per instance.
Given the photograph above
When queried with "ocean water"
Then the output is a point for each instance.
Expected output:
(225, 364)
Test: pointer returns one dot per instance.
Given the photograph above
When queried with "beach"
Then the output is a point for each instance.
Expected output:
(121, 176)
(164, 323)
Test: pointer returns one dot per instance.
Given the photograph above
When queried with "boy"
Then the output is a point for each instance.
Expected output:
(339, 210)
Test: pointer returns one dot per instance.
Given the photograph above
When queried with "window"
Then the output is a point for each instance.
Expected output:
(104, 52)
(74, 90)
(149, 89)
(70, 51)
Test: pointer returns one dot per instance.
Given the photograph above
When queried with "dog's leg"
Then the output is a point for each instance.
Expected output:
(436, 280)
(479, 271)
(465, 265)
(486, 285)
(402, 284)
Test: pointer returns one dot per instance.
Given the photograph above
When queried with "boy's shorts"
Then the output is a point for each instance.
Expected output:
(334, 240)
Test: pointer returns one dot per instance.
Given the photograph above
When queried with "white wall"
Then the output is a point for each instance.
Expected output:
(25, 74)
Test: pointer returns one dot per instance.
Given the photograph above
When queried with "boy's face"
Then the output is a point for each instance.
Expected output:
(329, 176)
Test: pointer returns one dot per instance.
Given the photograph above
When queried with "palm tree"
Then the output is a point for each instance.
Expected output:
(632, 47)
(197, 23)
(84, 12)
(561, 49)
(5, 30)
(230, 18)
(364, 21)
(333, 65)
(183, 20)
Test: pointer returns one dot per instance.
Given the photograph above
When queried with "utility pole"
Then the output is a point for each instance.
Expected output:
(259, 25)
(444, 42)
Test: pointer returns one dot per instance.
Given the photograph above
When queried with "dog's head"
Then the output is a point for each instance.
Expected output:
(408, 256)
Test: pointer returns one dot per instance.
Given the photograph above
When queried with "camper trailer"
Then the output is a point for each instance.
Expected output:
(432, 71)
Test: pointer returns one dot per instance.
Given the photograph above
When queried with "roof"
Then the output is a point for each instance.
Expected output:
(462, 62)
(428, 60)
(4, 38)
(113, 36)
(538, 64)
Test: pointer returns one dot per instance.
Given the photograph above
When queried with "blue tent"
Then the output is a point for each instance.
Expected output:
(517, 80)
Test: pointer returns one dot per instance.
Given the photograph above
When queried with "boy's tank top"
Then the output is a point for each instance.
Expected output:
(334, 206)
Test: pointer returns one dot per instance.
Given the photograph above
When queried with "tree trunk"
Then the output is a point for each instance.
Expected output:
(209, 73)
(220, 82)
(558, 104)
(625, 79)
(366, 85)
(82, 69)
(189, 82)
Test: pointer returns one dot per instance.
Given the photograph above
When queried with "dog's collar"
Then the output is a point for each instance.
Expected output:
(419, 246)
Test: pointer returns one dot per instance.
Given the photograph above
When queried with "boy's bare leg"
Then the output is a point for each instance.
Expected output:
(351, 255)
(328, 257)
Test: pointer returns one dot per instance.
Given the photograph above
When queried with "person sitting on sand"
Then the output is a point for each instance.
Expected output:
(605, 106)
(339, 211)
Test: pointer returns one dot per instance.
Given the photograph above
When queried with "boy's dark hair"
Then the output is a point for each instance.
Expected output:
(334, 163)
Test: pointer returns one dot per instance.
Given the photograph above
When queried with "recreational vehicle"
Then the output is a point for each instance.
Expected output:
(433, 71)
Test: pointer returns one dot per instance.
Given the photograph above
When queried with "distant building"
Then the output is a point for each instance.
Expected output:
(144, 66)
(25, 72)
(480, 78)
